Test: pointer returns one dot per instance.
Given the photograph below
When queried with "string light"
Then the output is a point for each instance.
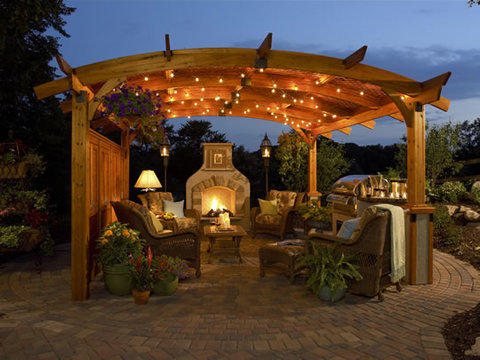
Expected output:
(295, 88)
(237, 94)
(257, 106)
(317, 82)
(217, 98)
(361, 93)
(324, 115)
(136, 94)
(208, 110)
(183, 102)
(301, 101)
(172, 74)
(273, 91)
(203, 89)
(222, 111)
(172, 99)
(168, 110)
(268, 108)
(187, 94)
(243, 75)
(175, 91)
(275, 86)
(244, 112)
(311, 97)
(402, 97)
(338, 90)
(236, 101)
(220, 80)
(261, 69)
(334, 116)
(197, 79)
(201, 99)
(156, 94)
(230, 112)
(294, 100)
(278, 108)
(146, 78)
(195, 104)
(226, 102)
(188, 116)
(284, 96)
(316, 106)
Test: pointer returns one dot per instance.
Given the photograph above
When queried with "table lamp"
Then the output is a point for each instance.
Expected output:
(148, 181)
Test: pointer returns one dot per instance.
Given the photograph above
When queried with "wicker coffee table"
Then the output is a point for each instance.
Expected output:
(235, 234)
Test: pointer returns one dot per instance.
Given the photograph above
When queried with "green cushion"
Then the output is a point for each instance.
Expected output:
(176, 208)
(156, 223)
(268, 207)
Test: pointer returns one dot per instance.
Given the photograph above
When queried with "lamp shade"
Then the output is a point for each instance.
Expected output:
(148, 180)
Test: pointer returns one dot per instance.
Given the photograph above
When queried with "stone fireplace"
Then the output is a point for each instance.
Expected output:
(218, 185)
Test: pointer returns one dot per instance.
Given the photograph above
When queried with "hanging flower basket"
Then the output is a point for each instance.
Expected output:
(139, 108)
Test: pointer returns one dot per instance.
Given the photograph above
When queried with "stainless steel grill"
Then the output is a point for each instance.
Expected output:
(347, 190)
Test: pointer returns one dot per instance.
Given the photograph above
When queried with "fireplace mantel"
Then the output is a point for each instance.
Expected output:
(218, 171)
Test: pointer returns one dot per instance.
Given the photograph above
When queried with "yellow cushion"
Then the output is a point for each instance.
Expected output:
(156, 223)
(268, 207)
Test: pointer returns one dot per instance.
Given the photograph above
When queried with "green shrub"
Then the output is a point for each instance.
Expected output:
(475, 195)
(10, 235)
(445, 231)
(450, 191)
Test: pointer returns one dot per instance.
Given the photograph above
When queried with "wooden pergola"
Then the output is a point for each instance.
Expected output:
(313, 94)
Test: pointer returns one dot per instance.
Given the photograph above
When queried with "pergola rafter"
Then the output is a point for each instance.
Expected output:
(313, 94)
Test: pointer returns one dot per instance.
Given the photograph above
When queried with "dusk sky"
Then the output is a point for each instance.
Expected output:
(418, 39)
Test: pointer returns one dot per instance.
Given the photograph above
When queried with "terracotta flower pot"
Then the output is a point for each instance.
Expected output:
(141, 297)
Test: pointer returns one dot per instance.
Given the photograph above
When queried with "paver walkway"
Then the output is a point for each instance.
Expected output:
(229, 313)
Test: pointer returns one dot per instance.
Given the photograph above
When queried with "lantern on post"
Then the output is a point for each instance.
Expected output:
(266, 150)
(165, 153)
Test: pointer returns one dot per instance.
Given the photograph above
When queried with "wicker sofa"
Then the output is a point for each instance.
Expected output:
(153, 202)
(282, 223)
(370, 246)
(185, 244)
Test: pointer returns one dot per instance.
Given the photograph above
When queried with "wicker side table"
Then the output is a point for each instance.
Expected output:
(274, 256)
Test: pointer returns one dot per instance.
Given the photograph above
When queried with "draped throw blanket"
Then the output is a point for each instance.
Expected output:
(397, 236)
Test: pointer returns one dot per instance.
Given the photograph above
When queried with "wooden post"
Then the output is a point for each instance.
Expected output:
(416, 156)
(79, 206)
(125, 174)
(420, 233)
(312, 169)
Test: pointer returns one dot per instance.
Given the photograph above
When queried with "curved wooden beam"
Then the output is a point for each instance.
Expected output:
(230, 57)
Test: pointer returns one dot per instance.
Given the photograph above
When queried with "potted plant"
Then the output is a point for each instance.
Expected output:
(315, 215)
(167, 270)
(328, 271)
(142, 276)
(114, 246)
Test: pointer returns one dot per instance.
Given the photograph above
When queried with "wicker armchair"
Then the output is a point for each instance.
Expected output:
(370, 246)
(281, 224)
(153, 202)
(185, 245)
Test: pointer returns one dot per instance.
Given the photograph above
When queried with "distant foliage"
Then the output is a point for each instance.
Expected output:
(292, 153)
(331, 164)
(473, 2)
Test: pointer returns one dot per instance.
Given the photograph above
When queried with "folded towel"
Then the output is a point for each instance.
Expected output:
(397, 235)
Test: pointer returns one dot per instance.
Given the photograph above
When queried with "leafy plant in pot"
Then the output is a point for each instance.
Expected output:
(116, 246)
(142, 276)
(329, 271)
(315, 215)
(167, 270)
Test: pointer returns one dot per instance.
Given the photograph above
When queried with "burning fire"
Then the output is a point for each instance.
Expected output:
(216, 205)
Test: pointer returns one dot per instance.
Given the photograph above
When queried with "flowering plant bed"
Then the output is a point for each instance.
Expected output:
(138, 107)
(142, 271)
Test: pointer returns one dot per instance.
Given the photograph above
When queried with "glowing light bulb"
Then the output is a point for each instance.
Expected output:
(301, 101)
(242, 75)
(338, 90)
(257, 106)
(237, 94)
(171, 99)
(324, 115)
(203, 89)
(361, 93)
(172, 74)
(317, 82)
(275, 86)
(273, 91)
(183, 102)
(146, 78)
(220, 80)
(311, 97)
(136, 93)
(175, 91)
(195, 104)
(197, 79)
(284, 96)
(316, 106)
(201, 99)
(268, 108)
(261, 69)
(236, 101)
(156, 94)
(334, 116)
(294, 100)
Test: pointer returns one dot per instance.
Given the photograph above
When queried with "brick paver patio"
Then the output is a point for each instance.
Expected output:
(229, 313)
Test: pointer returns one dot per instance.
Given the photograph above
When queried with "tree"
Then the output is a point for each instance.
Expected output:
(473, 2)
(469, 140)
(25, 53)
(441, 144)
(331, 164)
(292, 153)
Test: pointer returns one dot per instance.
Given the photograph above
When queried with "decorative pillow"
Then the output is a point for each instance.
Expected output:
(285, 199)
(367, 215)
(156, 223)
(348, 227)
(176, 208)
(268, 207)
